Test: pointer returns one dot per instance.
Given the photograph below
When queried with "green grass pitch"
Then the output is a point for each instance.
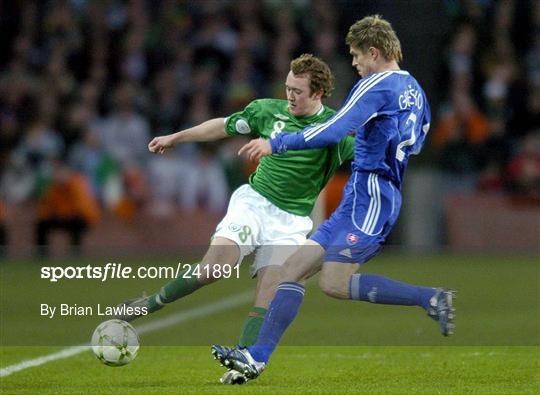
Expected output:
(333, 346)
(315, 369)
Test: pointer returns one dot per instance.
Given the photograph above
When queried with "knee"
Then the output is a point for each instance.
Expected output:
(218, 260)
(297, 269)
(335, 288)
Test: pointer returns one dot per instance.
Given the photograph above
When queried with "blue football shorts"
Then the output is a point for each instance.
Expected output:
(365, 216)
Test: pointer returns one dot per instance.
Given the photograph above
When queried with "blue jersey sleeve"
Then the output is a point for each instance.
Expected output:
(364, 102)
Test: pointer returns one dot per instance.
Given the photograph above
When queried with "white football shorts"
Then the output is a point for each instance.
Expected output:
(254, 223)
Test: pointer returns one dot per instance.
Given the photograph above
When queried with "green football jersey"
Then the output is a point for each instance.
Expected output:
(293, 180)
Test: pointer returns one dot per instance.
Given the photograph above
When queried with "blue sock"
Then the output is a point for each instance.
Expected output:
(378, 289)
(280, 315)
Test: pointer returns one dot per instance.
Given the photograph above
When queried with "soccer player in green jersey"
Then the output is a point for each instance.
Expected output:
(271, 214)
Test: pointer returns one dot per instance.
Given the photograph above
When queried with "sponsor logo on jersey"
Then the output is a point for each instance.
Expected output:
(346, 252)
(281, 116)
(352, 239)
(242, 127)
(234, 227)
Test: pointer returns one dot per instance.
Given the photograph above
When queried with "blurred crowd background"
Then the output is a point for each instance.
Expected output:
(85, 85)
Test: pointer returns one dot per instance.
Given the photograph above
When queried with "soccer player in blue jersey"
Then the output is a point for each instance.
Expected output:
(388, 112)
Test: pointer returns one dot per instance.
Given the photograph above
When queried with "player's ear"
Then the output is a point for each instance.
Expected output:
(373, 52)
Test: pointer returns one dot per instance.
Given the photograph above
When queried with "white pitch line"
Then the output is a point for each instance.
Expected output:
(192, 314)
(30, 363)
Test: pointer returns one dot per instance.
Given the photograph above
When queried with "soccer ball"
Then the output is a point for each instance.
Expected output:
(115, 343)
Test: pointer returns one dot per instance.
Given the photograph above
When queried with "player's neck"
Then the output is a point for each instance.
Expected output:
(388, 66)
(316, 109)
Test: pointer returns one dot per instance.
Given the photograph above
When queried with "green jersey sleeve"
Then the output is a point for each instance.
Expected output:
(338, 154)
(245, 122)
(346, 149)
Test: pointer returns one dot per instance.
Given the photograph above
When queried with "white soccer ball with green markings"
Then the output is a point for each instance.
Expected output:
(115, 343)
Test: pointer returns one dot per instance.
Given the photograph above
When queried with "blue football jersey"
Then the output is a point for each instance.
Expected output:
(388, 113)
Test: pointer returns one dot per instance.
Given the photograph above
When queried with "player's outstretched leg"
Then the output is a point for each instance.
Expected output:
(222, 252)
(438, 302)
(132, 309)
(175, 289)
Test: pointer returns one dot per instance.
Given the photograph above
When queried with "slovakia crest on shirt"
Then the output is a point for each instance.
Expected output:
(352, 239)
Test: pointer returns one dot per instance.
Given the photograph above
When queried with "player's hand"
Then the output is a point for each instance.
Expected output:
(256, 149)
(158, 145)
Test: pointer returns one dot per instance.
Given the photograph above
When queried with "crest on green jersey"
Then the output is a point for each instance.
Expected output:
(242, 126)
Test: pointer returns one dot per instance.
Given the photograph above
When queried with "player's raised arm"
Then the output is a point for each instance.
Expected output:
(363, 104)
(211, 130)
(354, 114)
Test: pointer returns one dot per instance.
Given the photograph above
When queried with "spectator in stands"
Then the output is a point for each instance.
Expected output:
(67, 204)
(166, 106)
(17, 105)
(125, 131)
(90, 159)
(458, 135)
(202, 182)
(40, 145)
(242, 83)
(524, 169)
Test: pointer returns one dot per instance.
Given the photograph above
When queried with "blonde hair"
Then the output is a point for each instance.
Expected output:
(320, 75)
(374, 31)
